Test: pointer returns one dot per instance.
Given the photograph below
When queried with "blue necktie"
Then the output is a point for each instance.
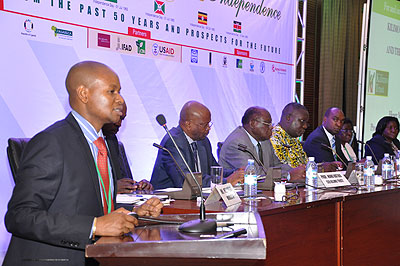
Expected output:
(334, 148)
(195, 154)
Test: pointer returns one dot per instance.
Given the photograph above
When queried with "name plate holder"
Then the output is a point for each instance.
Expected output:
(189, 188)
(274, 174)
(333, 179)
(226, 192)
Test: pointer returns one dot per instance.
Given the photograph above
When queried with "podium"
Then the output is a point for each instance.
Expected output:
(163, 244)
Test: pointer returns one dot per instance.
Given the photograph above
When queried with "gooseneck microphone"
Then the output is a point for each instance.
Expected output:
(337, 155)
(369, 147)
(243, 148)
(173, 158)
(201, 225)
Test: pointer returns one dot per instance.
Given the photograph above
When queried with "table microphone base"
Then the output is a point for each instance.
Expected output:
(199, 226)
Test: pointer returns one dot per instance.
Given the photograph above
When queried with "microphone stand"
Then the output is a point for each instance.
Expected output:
(369, 147)
(201, 225)
(173, 158)
(242, 147)
(337, 155)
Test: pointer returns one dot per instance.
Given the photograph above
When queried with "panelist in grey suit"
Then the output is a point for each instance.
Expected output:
(59, 203)
(254, 134)
(191, 138)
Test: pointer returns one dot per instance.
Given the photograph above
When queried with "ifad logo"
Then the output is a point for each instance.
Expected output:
(194, 56)
(141, 45)
(159, 7)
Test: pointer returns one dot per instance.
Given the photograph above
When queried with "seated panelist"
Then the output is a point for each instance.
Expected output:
(125, 182)
(322, 143)
(384, 140)
(349, 141)
(254, 134)
(191, 138)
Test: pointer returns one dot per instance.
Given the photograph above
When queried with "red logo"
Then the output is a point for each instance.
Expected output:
(144, 34)
(243, 53)
(103, 40)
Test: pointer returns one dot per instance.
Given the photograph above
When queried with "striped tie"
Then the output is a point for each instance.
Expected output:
(334, 148)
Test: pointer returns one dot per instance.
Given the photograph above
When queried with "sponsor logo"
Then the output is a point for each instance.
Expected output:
(202, 18)
(141, 45)
(145, 34)
(103, 40)
(63, 34)
(225, 61)
(163, 50)
(114, 1)
(28, 25)
(278, 70)
(194, 56)
(159, 7)
(123, 46)
(210, 58)
(262, 67)
(239, 63)
(237, 26)
(251, 66)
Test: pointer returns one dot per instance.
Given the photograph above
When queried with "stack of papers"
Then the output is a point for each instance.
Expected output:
(139, 199)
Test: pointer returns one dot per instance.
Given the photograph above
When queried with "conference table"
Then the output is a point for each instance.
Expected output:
(349, 226)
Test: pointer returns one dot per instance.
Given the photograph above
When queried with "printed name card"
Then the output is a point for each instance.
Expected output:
(333, 179)
(226, 192)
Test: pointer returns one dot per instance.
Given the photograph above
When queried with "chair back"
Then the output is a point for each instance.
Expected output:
(14, 151)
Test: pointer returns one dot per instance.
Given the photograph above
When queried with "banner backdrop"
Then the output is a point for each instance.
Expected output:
(227, 54)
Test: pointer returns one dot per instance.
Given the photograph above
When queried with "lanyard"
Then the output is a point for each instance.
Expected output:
(109, 198)
(350, 159)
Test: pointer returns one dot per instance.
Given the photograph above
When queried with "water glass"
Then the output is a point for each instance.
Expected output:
(216, 175)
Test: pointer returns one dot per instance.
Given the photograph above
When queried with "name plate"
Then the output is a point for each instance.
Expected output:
(333, 179)
(226, 192)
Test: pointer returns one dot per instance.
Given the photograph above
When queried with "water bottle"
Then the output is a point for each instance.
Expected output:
(311, 174)
(386, 167)
(250, 180)
(369, 172)
(397, 164)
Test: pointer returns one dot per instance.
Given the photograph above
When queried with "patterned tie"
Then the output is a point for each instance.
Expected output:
(260, 152)
(334, 147)
(195, 154)
(102, 165)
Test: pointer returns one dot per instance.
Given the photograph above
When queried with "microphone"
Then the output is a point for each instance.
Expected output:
(201, 225)
(369, 147)
(173, 158)
(243, 148)
(337, 155)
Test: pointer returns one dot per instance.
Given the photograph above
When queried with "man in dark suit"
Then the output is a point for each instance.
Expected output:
(191, 138)
(322, 143)
(64, 193)
(125, 182)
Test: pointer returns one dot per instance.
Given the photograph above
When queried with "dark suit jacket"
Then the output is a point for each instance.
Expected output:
(379, 147)
(166, 174)
(313, 147)
(55, 198)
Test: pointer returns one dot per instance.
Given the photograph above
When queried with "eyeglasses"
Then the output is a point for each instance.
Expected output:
(346, 130)
(205, 125)
(265, 123)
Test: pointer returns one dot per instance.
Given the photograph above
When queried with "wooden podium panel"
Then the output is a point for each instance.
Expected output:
(155, 244)
(371, 229)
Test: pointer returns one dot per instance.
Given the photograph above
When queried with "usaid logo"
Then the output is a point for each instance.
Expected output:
(163, 50)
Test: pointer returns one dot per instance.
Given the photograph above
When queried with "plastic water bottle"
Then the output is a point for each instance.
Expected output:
(397, 164)
(386, 167)
(311, 174)
(250, 180)
(369, 172)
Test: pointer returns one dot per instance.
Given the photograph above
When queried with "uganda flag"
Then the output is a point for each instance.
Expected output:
(237, 26)
(159, 7)
(202, 18)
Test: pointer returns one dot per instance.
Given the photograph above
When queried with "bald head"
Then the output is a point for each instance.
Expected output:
(94, 92)
(258, 123)
(195, 119)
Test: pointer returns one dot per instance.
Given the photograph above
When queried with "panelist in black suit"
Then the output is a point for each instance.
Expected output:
(191, 138)
(60, 201)
(125, 182)
(322, 141)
